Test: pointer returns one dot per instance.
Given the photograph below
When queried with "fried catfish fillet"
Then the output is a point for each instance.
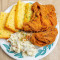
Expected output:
(43, 17)
(34, 24)
(48, 16)
(52, 14)
(44, 38)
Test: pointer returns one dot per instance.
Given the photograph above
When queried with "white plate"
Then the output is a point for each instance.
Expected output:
(42, 51)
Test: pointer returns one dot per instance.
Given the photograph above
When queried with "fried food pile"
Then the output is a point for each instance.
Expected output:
(44, 38)
(34, 24)
(36, 18)
(43, 17)
(42, 23)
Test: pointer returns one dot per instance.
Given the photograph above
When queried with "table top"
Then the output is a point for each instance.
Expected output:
(55, 54)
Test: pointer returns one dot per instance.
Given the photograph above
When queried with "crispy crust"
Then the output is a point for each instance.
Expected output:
(43, 17)
(52, 14)
(10, 22)
(9, 29)
(34, 24)
(4, 37)
(44, 38)
(16, 18)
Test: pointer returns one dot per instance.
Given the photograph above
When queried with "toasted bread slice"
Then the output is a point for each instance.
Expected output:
(10, 22)
(28, 12)
(4, 33)
(20, 11)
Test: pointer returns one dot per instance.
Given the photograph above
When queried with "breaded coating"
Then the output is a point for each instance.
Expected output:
(34, 24)
(44, 38)
(43, 17)
(4, 33)
(52, 14)
(48, 15)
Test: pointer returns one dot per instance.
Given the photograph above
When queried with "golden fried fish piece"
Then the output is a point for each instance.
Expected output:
(44, 38)
(43, 17)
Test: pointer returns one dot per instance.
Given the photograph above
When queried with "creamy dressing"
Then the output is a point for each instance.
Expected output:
(19, 43)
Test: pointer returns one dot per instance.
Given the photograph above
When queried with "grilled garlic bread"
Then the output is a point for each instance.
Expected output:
(10, 23)
(20, 11)
(4, 33)
(28, 12)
